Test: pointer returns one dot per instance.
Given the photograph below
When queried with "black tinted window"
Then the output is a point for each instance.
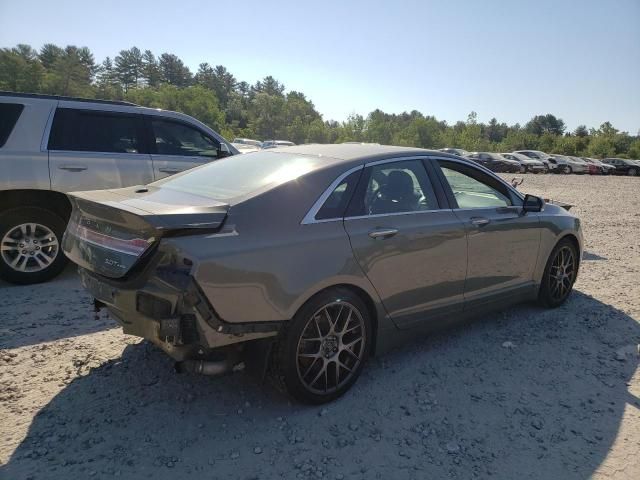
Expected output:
(337, 202)
(94, 131)
(174, 138)
(395, 187)
(9, 114)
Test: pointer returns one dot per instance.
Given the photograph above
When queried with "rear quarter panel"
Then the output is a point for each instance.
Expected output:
(265, 264)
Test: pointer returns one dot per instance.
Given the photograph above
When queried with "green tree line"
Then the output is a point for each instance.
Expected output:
(266, 110)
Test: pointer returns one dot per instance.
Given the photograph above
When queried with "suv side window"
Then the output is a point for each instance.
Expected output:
(176, 138)
(9, 114)
(96, 131)
(473, 188)
(394, 187)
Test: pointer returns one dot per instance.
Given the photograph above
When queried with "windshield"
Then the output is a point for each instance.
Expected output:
(239, 175)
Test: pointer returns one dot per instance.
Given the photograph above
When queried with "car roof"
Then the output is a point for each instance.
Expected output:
(352, 152)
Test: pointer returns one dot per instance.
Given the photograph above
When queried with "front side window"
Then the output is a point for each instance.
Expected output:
(396, 187)
(174, 138)
(95, 131)
(474, 189)
(9, 114)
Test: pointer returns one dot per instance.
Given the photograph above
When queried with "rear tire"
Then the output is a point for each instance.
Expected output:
(559, 274)
(321, 353)
(30, 245)
(633, 172)
(568, 169)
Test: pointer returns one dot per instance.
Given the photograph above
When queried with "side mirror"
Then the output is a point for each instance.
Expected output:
(532, 203)
(223, 151)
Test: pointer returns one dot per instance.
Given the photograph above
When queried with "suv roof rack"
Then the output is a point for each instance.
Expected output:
(60, 97)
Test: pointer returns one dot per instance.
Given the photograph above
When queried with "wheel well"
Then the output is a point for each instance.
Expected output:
(55, 201)
(572, 238)
(368, 302)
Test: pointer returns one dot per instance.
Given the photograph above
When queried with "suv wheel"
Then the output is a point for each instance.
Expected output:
(30, 250)
(632, 172)
(322, 351)
(559, 274)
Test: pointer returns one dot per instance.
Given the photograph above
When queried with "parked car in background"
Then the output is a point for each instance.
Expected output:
(276, 143)
(53, 145)
(599, 168)
(548, 161)
(624, 166)
(495, 162)
(213, 296)
(455, 151)
(247, 141)
(527, 164)
(568, 164)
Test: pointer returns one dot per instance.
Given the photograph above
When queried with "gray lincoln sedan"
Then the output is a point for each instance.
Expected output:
(301, 262)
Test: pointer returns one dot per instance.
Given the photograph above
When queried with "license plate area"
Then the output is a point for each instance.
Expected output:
(100, 291)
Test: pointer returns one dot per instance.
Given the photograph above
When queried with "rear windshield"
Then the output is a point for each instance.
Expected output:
(240, 175)
(9, 114)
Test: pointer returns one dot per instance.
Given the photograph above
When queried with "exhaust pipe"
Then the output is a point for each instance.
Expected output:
(204, 367)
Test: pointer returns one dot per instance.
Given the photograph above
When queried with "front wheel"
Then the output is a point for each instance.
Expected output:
(322, 351)
(30, 250)
(559, 274)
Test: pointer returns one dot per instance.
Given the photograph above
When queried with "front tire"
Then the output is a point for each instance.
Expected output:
(559, 274)
(321, 353)
(30, 245)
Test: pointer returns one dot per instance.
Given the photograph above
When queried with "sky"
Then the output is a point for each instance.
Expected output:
(509, 59)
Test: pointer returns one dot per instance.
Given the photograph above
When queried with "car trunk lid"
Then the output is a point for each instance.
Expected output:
(111, 231)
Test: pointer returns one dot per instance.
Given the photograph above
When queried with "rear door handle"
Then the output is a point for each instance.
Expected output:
(73, 168)
(480, 221)
(383, 233)
(170, 170)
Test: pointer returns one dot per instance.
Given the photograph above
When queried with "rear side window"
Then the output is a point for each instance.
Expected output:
(337, 201)
(95, 131)
(9, 114)
(174, 138)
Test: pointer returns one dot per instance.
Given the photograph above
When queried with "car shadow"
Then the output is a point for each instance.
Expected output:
(589, 256)
(525, 393)
(60, 308)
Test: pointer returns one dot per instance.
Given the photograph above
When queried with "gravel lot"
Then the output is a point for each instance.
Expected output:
(524, 393)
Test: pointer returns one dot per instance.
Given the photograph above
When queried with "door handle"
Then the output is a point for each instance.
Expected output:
(480, 221)
(73, 168)
(170, 170)
(383, 233)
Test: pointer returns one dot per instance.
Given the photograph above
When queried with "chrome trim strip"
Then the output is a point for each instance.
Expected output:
(379, 215)
(311, 214)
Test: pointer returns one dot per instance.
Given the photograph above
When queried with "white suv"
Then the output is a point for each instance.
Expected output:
(52, 145)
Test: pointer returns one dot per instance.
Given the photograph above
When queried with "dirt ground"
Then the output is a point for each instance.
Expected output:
(524, 393)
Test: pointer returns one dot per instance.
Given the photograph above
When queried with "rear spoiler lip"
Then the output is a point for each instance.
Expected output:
(167, 217)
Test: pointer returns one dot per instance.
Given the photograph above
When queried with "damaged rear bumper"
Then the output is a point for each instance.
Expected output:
(173, 313)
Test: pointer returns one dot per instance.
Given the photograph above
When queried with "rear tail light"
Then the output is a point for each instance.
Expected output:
(133, 246)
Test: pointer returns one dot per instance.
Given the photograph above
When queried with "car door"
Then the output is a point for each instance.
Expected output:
(412, 250)
(91, 149)
(502, 241)
(177, 146)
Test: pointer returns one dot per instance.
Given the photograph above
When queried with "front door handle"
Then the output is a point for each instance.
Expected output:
(170, 170)
(73, 168)
(480, 221)
(383, 233)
